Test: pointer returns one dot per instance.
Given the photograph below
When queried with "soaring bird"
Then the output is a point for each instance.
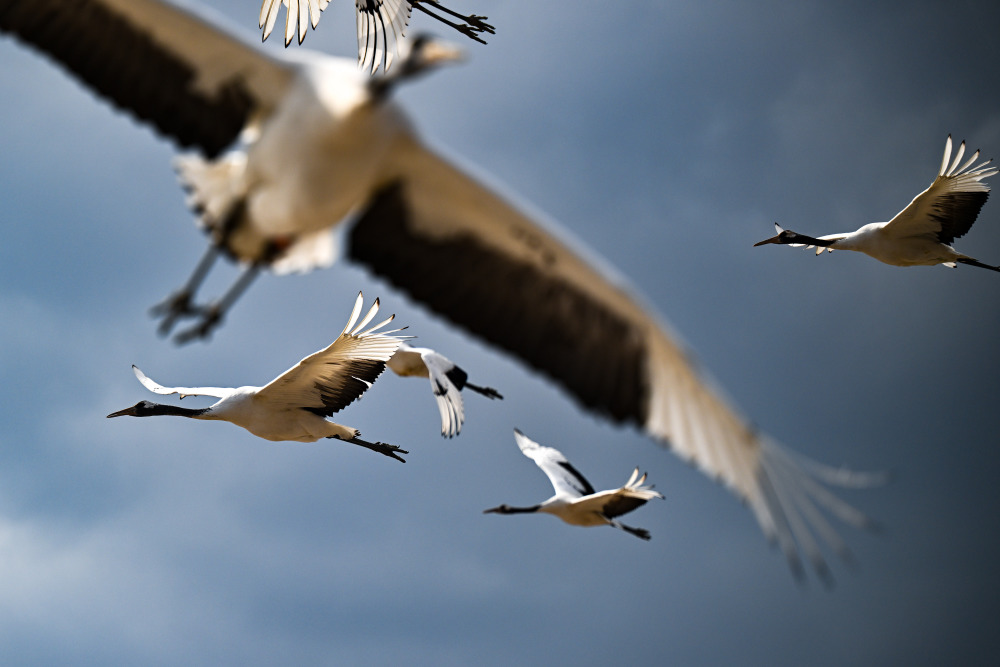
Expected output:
(575, 500)
(922, 233)
(381, 24)
(321, 143)
(294, 406)
(447, 382)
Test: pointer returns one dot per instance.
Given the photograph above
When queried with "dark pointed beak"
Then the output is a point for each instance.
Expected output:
(493, 510)
(127, 412)
(773, 239)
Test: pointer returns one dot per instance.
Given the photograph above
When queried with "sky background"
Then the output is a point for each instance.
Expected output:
(668, 136)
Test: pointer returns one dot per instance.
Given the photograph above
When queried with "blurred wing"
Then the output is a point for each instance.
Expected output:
(949, 207)
(447, 395)
(381, 25)
(566, 480)
(328, 380)
(473, 257)
(167, 66)
(156, 388)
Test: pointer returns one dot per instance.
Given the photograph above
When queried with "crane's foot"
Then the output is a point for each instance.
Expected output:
(173, 308)
(472, 24)
(211, 317)
(392, 451)
(488, 392)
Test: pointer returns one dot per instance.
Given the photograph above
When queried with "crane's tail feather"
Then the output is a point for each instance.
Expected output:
(634, 487)
(214, 187)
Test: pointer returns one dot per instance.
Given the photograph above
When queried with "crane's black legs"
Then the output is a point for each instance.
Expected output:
(211, 315)
(471, 27)
(392, 451)
(976, 262)
(179, 304)
(488, 392)
(641, 533)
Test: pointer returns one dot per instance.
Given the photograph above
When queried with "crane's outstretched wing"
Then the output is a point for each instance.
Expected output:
(156, 388)
(381, 26)
(948, 208)
(300, 14)
(167, 66)
(446, 393)
(328, 380)
(471, 256)
(566, 480)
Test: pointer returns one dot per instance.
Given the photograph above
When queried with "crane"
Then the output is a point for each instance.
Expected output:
(313, 142)
(447, 382)
(922, 233)
(294, 406)
(381, 24)
(575, 500)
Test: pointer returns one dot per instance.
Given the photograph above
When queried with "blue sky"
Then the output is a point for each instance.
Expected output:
(668, 137)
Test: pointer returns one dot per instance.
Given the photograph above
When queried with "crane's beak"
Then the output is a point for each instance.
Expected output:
(127, 412)
(773, 239)
(494, 510)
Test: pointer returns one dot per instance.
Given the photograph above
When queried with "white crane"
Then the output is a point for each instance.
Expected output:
(321, 141)
(294, 406)
(922, 233)
(381, 24)
(575, 500)
(447, 382)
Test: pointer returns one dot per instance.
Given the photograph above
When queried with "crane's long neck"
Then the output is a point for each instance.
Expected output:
(809, 240)
(150, 409)
(157, 409)
(507, 509)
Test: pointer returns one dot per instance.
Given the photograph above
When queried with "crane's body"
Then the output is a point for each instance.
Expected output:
(575, 500)
(242, 407)
(921, 234)
(290, 186)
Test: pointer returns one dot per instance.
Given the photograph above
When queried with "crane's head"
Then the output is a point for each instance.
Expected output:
(427, 51)
(784, 237)
(788, 237)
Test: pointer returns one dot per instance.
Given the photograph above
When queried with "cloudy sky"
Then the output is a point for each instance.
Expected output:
(669, 137)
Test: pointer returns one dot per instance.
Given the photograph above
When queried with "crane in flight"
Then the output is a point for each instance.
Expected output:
(295, 405)
(381, 24)
(922, 233)
(447, 382)
(575, 500)
(290, 144)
